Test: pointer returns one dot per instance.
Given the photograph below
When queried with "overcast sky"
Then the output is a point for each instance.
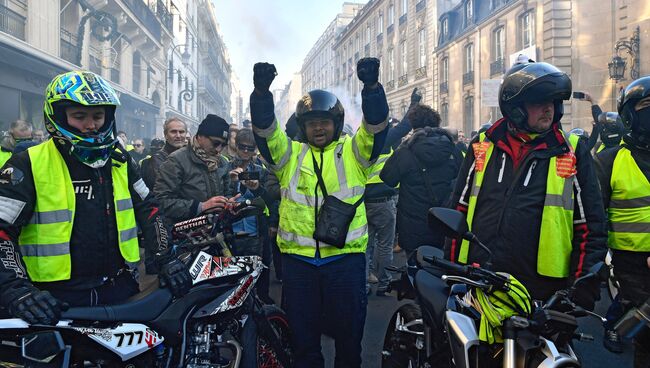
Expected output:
(279, 31)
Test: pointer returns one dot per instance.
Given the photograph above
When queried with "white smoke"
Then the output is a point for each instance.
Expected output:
(351, 104)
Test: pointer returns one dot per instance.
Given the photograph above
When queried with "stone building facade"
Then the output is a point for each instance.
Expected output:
(122, 40)
(401, 34)
(318, 67)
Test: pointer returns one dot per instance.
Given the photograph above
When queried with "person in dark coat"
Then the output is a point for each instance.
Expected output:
(425, 167)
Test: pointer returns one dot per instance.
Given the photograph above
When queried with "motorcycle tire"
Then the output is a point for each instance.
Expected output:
(267, 358)
(400, 349)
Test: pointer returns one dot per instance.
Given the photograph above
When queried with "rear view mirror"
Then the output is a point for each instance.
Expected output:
(451, 222)
(601, 270)
(42, 347)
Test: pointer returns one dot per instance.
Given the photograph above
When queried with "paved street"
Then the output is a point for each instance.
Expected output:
(380, 309)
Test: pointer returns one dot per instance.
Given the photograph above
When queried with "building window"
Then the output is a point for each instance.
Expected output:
(444, 28)
(527, 29)
(405, 6)
(380, 24)
(498, 40)
(391, 14)
(422, 47)
(444, 70)
(404, 58)
(469, 58)
(391, 65)
(469, 11)
(444, 114)
(468, 125)
(368, 34)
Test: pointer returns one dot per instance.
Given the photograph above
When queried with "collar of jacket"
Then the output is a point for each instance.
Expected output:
(169, 148)
(329, 147)
(554, 139)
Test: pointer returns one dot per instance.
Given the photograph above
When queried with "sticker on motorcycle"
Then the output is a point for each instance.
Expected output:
(127, 340)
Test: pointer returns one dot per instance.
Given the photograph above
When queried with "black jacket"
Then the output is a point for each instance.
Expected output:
(508, 213)
(435, 152)
(150, 166)
(94, 244)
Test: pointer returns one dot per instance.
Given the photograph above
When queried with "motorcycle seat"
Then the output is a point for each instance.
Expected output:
(141, 307)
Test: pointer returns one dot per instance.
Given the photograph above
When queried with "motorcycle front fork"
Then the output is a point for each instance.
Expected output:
(509, 348)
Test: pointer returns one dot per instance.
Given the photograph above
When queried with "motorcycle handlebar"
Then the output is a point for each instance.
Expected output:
(448, 266)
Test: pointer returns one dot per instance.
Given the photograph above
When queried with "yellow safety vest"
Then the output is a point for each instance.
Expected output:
(556, 233)
(4, 157)
(375, 169)
(45, 242)
(629, 205)
(343, 177)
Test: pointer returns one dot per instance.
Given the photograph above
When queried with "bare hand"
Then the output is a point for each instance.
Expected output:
(216, 203)
(648, 261)
(251, 184)
(234, 174)
(589, 98)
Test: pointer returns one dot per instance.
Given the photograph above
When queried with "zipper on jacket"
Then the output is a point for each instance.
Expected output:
(503, 166)
(530, 173)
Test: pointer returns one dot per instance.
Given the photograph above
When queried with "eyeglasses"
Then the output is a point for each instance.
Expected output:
(218, 143)
(243, 147)
(137, 145)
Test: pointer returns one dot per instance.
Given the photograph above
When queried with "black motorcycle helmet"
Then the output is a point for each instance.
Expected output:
(320, 104)
(635, 92)
(532, 82)
(612, 128)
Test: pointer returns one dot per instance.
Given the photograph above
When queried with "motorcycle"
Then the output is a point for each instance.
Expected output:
(204, 328)
(441, 328)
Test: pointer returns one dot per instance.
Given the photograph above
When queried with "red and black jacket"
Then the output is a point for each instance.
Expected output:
(509, 209)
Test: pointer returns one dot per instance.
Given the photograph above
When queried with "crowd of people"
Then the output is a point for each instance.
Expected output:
(547, 203)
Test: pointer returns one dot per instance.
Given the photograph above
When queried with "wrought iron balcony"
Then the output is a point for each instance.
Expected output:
(403, 80)
(146, 16)
(468, 78)
(420, 73)
(444, 87)
(420, 5)
(11, 22)
(390, 85)
(497, 67)
(69, 46)
(164, 15)
(95, 60)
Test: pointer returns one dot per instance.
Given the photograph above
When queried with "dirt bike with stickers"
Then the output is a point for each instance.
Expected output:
(219, 323)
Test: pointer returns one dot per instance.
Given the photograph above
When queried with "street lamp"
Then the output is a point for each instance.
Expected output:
(617, 65)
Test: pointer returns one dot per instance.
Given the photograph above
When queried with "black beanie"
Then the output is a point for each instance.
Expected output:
(213, 126)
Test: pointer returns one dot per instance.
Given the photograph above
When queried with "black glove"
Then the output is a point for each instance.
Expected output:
(263, 75)
(416, 96)
(175, 275)
(37, 307)
(368, 70)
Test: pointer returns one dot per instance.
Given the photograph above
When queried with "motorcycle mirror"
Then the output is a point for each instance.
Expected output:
(601, 270)
(451, 222)
(42, 347)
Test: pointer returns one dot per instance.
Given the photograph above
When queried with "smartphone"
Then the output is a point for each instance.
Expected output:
(579, 95)
(249, 175)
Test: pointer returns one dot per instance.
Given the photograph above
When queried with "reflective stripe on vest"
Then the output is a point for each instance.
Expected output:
(375, 169)
(556, 232)
(629, 205)
(45, 241)
(297, 219)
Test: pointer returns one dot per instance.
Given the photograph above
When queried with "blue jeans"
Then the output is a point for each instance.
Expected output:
(331, 295)
(381, 236)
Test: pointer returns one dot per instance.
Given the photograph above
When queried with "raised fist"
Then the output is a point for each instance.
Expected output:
(368, 70)
(263, 75)
(416, 96)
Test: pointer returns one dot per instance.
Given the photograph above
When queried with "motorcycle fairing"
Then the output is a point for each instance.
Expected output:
(127, 340)
(206, 266)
